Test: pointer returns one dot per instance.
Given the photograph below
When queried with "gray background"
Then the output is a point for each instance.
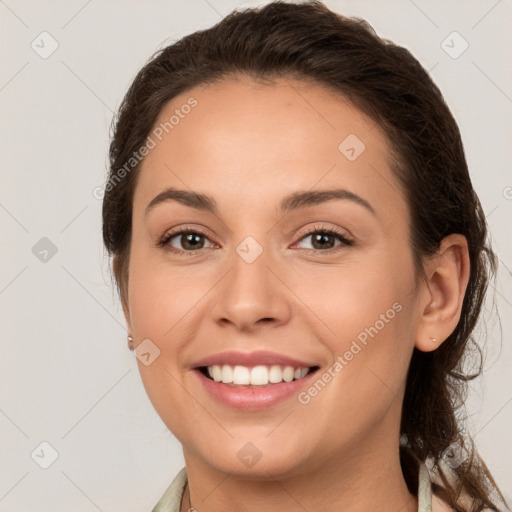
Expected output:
(66, 376)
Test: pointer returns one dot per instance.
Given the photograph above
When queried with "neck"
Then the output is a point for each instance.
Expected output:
(362, 480)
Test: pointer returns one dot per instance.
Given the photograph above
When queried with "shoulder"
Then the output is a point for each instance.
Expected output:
(439, 505)
(171, 499)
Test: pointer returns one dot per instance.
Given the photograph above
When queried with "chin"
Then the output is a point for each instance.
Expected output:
(246, 461)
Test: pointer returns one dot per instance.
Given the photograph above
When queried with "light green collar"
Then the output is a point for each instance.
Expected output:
(171, 500)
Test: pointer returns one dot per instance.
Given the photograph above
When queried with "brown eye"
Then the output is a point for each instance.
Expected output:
(325, 239)
(189, 241)
(184, 241)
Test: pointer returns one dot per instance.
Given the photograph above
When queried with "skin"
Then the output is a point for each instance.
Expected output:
(247, 146)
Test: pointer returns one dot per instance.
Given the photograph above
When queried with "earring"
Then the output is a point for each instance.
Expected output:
(130, 343)
(433, 339)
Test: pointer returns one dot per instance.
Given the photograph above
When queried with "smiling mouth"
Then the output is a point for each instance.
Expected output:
(255, 376)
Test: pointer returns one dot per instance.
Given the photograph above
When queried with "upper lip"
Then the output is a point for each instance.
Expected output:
(256, 358)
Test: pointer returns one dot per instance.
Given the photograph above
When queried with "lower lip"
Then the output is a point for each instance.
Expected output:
(258, 397)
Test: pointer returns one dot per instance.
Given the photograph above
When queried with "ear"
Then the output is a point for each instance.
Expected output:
(443, 292)
(122, 279)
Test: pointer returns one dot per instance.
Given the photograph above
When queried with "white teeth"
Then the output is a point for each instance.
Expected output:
(288, 374)
(227, 374)
(241, 375)
(256, 376)
(259, 376)
(275, 375)
(217, 372)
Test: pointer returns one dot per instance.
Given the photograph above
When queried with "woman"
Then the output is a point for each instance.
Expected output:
(301, 259)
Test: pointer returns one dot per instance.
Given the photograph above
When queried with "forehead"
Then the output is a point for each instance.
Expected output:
(245, 141)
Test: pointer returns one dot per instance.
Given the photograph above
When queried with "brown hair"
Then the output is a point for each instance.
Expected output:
(309, 42)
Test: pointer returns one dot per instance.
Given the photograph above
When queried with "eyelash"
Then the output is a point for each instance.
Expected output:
(345, 241)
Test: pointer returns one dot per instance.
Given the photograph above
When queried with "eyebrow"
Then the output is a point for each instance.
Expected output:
(294, 201)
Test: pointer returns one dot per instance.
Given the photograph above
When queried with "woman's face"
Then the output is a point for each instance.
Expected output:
(264, 279)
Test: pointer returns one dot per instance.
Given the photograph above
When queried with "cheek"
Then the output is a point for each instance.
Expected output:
(161, 298)
(349, 299)
(370, 322)
(156, 308)
(366, 380)
(166, 307)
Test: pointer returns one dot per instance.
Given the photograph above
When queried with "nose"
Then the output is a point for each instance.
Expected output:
(252, 295)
